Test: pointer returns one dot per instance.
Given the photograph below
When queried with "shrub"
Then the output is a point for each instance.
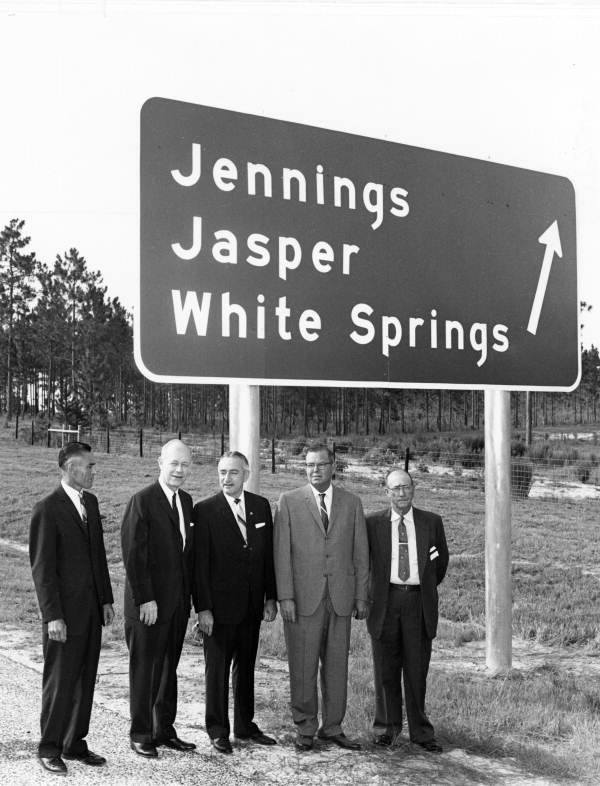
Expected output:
(521, 476)
(583, 472)
(518, 448)
(472, 460)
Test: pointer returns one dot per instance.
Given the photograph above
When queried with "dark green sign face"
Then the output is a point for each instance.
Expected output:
(274, 252)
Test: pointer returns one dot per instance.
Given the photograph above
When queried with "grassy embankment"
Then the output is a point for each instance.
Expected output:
(546, 717)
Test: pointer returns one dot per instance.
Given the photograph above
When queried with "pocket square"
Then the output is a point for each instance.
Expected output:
(191, 523)
(259, 525)
(434, 555)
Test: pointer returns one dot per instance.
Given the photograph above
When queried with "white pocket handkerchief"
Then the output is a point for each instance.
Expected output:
(434, 554)
(259, 525)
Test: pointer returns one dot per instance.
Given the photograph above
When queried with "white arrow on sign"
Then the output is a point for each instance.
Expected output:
(551, 239)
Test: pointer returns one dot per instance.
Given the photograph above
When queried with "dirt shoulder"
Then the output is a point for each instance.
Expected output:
(20, 670)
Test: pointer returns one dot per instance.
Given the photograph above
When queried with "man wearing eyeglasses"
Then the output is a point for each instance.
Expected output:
(321, 570)
(408, 559)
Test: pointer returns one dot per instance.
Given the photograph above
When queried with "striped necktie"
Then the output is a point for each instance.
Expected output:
(403, 560)
(84, 520)
(323, 511)
(241, 520)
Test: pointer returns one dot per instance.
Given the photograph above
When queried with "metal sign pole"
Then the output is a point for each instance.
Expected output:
(244, 428)
(498, 590)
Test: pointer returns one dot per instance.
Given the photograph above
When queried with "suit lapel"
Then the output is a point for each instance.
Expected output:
(384, 536)
(70, 509)
(230, 519)
(311, 503)
(422, 540)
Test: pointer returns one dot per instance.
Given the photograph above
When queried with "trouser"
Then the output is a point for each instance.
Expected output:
(154, 652)
(322, 637)
(68, 682)
(230, 645)
(401, 655)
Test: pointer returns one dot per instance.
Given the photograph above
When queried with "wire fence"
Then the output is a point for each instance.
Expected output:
(543, 471)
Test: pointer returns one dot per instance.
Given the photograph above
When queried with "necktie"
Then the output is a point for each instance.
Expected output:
(176, 512)
(241, 520)
(323, 511)
(403, 561)
(84, 522)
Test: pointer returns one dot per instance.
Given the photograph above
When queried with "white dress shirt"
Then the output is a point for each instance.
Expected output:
(327, 499)
(412, 548)
(169, 494)
(238, 508)
(74, 496)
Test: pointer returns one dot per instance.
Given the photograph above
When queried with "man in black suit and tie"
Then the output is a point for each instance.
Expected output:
(70, 573)
(234, 589)
(408, 559)
(156, 538)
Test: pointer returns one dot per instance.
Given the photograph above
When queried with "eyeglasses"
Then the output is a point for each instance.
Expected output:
(320, 465)
(398, 489)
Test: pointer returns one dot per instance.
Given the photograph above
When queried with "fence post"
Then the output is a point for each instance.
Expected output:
(32, 433)
(333, 451)
(222, 442)
(273, 456)
(48, 438)
(17, 427)
(141, 443)
(107, 438)
(406, 459)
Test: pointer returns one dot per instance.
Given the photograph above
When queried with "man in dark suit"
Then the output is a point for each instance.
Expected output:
(157, 543)
(408, 559)
(70, 573)
(234, 589)
(321, 569)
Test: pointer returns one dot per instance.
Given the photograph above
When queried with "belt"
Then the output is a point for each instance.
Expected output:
(405, 587)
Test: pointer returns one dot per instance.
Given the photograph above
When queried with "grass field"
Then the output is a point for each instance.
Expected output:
(547, 717)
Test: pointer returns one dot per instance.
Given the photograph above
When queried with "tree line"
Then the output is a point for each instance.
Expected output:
(67, 357)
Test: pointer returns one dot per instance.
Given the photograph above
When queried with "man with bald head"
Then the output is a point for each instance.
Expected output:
(156, 538)
(408, 559)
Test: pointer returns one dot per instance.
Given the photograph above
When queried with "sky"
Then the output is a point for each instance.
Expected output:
(512, 83)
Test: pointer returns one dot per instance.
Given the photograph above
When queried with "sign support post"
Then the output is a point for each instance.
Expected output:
(498, 584)
(244, 429)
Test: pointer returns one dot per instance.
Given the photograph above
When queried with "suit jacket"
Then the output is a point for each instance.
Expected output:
(157, 566)
(230, 578)
(431, 541)
(307, 558)
(61, 554)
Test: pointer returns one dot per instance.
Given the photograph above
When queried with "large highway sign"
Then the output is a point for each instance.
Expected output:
(280, 253)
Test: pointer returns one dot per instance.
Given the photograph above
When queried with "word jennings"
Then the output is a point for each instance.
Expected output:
(341, 191)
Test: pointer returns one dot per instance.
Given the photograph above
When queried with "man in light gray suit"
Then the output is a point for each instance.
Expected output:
(321, 569)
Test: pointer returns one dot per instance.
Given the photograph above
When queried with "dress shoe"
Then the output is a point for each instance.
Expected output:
(382, 739)
(303, 744)
(343, 741)
(178, 745)
(431, 746)
(221, 744)
(90, 758)
(258, 737)
(53, 764)
(147, 749)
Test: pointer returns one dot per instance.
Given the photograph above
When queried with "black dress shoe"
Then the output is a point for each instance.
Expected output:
(431, 746)
(258, 737)
(382, 739)
(343, 741)
(221, 744)
(303, 744)
(178, 745)
(147, 749)
(53, 764)
(90, 758)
